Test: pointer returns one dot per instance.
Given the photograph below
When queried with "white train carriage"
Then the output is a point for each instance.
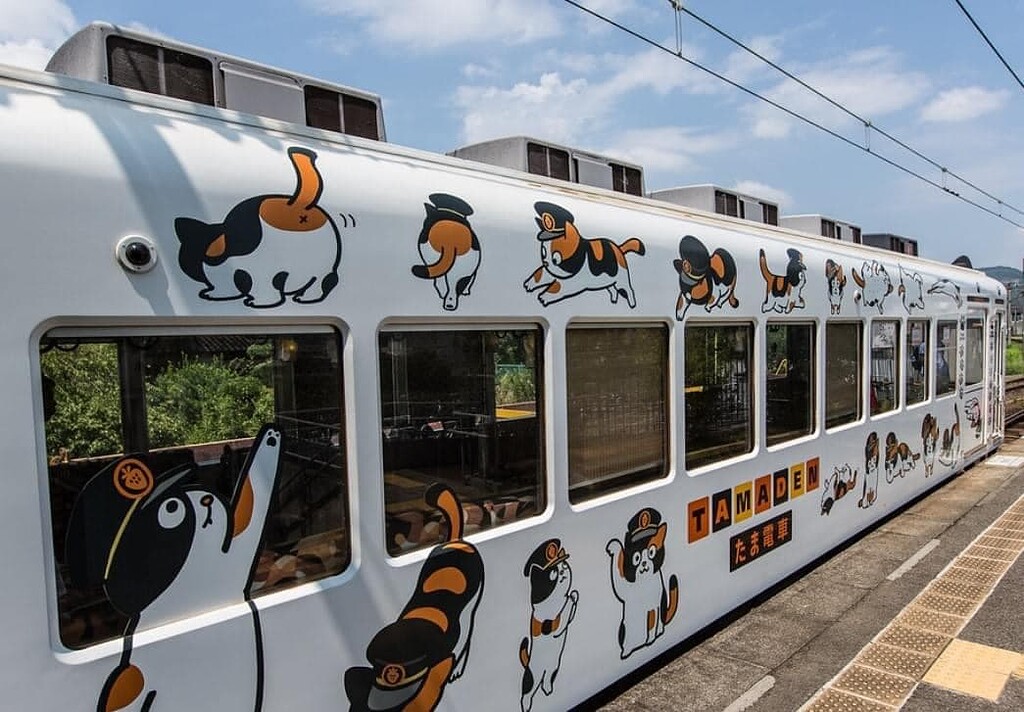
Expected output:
(299, 420)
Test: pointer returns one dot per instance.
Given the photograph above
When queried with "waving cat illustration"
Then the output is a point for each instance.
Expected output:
(870, 492)
(415, 657)
(268, 248)
(553, 601)
(709, 280)
(639, 584)
(449, 248)
(571, 264)
(784, 292)
(164, 549)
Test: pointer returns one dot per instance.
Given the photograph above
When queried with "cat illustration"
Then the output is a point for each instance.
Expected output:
(709, 280)
(972, 411)
(639, 584)
(870, 492)
(164, 549)
(836, 281)
(415, 657)
(949, 288)
(929, 440)
(911, 290)
(571, 264)
(874, 283)
(783, 292)
(449, 248)
(899, 459)
(553, 601)
(268, 248)
(838, 485)
(949, 453)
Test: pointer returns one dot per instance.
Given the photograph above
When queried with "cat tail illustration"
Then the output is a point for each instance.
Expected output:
(857, 278)
(765, 272)
(633, 244)
(442, 498)
(439, 268)
(308, 182)
(670, 600)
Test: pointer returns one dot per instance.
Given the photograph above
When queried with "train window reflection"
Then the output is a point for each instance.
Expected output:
(460, 408)
(885, 366)
(843, 374)
(974, 358)
(918, 360)
(945, 357)
(616, 382)
(789, 381)
(718, 393)
(188, 407)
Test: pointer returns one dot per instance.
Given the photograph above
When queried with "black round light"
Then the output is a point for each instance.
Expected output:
(138, 254)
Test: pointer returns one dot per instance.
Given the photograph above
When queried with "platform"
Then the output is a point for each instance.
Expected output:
(923, 613)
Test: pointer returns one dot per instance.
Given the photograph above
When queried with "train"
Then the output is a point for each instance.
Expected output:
(307, 420)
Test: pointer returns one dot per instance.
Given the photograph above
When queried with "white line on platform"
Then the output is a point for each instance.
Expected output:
(752, 695)
(913, 560)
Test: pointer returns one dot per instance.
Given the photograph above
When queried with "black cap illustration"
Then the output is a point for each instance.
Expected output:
(548, 554)
(552, 220)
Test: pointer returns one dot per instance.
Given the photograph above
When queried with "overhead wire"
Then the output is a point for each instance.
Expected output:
(795, 114)
(992, 46)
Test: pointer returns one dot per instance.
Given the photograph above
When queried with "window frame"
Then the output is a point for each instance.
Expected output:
(929, 362)
(813, 387)
(861, 411)
(951, 390)
(978, 316)
(897, 377)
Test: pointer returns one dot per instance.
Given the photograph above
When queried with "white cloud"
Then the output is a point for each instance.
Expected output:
(438, 24)
(964, 104)
(667, 148)
(760, 190)
(30, 31)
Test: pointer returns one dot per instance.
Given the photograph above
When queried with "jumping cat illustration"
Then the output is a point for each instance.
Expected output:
(838, 485)
(449, 248)
(949, 453)
(870, 492)
(947, 287)
(164, 548)
(708, 280)
(899, 459)
(911, 290)
(639, 584)
(874, 283)
(836, 281)
(415, 657)
(269, 248)
(929, 442)
(783, 292)
(571, 264)
(553, 601)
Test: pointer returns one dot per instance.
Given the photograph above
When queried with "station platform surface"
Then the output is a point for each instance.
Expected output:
(924, 613)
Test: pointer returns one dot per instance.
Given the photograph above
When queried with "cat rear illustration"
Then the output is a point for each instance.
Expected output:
(449, 248)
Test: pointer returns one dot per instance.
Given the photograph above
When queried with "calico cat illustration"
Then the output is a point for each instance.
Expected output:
(553, 601)
(972, 411)
(838, 485)
(899, 459)
(929, 442)
(874, 283)
(269, 248)
(870, 492)
(949, 453)
(449, 248)
(911, 290)
(836, 281)
(571, 264)
(783, 292)
(639, 584)
(709, 280)
(164, 548)
(415, 657)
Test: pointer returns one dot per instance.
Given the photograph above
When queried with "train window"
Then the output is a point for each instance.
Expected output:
(974, 358)
(945, 357)
(460, 407)
(718, 393)
(843, 376)
(616, 382)
(917, 360)
(789, 381)
(885, 366)
(189, 407)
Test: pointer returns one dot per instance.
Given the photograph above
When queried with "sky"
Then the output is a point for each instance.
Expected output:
(454, 72)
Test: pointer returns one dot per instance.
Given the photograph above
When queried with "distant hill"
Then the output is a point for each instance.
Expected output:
(1004, 274)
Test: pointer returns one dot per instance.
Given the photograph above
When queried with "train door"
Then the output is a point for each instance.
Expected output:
(996, 359)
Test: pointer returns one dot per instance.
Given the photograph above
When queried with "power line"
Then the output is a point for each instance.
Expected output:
(985, 37)
(790, 112)
(868, 125)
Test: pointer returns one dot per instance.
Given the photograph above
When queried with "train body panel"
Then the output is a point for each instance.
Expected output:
(541, 612)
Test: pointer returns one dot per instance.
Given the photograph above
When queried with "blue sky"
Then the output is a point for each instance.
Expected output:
(453, 72)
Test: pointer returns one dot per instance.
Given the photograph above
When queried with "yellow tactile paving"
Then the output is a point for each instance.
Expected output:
(1019, 672)
(973, 669)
